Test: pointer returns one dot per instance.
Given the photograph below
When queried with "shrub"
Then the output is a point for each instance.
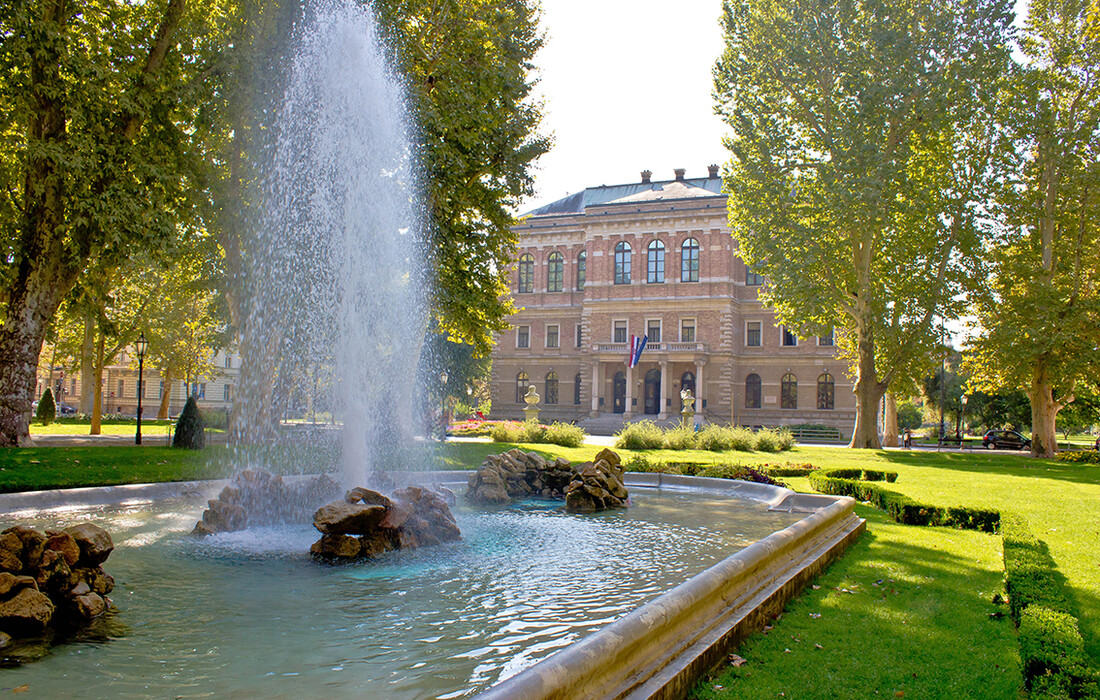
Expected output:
(789, 469)
(641, 463)
(715, 438)
(739, 472)
(1078, 457)
(533, 431)
(767, 441)
(682, 437)
(742, 439)
(506, 431)
(565, 434)
(1050, 642)
(786, 439)
(643, 435)
(190, 428)
(47, 409)
(1031, 572)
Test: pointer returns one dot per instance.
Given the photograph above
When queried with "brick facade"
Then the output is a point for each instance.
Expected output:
(716, 306)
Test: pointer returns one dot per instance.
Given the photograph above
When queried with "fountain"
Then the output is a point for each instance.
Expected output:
(530, 596)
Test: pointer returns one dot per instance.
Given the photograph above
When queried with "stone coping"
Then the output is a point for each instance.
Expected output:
(660, 649)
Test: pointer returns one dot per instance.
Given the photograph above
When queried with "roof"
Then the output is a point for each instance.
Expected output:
(632, 193)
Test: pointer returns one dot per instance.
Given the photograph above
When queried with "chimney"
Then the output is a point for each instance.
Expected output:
(713, 170)
(680, 174)
(646, 175)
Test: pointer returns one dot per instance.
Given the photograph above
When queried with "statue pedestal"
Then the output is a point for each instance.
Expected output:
(531, 414)
(687, 418)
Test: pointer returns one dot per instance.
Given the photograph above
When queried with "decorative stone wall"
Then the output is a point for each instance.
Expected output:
(586, 488)
(258, 497)
(52, 581)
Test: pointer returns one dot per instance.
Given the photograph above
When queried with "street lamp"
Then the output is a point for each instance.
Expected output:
(443, 406)
(142, 345)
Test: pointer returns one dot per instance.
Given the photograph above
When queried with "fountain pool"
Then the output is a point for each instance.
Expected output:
(248, 614)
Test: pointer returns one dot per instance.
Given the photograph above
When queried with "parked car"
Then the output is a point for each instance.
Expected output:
(1005, 440)
(64, 410)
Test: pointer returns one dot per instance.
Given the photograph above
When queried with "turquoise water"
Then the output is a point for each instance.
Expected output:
(250, 615)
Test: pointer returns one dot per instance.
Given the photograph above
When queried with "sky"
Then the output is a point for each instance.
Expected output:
(626, 86)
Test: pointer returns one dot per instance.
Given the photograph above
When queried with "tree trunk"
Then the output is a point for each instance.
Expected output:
(87, 365)
(1044, 411)
(868, 391)
(890, 421)
(97, 403)
(166, 395)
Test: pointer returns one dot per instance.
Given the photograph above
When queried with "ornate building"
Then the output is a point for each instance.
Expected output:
(656, 259)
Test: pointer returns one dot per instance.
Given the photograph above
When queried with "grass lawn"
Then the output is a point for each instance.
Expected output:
(916, 620)
(112, 428)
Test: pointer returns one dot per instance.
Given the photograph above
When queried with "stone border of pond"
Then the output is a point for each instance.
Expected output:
(660, 649)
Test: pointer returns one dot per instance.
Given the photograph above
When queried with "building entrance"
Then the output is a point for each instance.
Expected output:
(653, 392)
(618, 401)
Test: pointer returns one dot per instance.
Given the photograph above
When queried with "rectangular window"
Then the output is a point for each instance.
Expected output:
(687, 330)
(552, 336)
(160, 392)
(619, 332)
(752, 334)
(826, 340)
(523, 337)
(789, 339)
(225, 393)
(121, 387)
(653, 330)
(752, 279)
(228, 361)
(73, 385)
(202, 390)
(578, 335)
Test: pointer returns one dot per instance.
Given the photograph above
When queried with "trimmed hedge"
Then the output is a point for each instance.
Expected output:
(1051, 648)
(862, 475)
(901, 508)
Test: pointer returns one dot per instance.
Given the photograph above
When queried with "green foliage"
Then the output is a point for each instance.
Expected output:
(789, 469)
(682, 437)
(1079, 457)
(642, 435)
(836, 120)
(467, 67)
(47, 409)
(910, 417)
(740, 473)
(766, 441)
(565, 434)
(190, 428)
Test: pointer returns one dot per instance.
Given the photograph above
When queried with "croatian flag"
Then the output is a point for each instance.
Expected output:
(636, 346)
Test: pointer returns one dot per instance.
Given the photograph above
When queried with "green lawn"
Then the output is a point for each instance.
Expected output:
(916, 620)
(112, 428)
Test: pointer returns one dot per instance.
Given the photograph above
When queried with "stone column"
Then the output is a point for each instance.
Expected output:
(662, 412)
(700, 394)
(628, 409)
(595, 389)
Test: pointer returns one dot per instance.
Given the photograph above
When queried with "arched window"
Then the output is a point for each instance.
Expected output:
(555, 272)
(826, 390)
(622, 263)
(522, 382)
(752, 391)
(655, 268)
(526, 274)
(582, 259)
(788, 391)
(551, 397)
(689, 261)
(577, 389)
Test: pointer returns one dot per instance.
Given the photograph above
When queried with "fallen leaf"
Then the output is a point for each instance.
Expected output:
(737, 660)
(818, 646)
(899, 694)
(21, 689)
(815, 615)
(767, 628)
(816, 587)
(786, 651)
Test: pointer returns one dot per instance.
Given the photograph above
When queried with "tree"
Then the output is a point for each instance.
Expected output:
(467, 67)
(47, 409)
(1040, 319)
(863, 154)
(97, 108)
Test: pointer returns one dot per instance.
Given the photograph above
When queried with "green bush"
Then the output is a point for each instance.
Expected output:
(565, 434)
(641, 463)
(1031, 571)
(739, 472)
(190, 428)
(682, 437)
(767, 441)
(47, 409)
(786, 439)
(506, 431)
(1049, 642)
(715, 438)
(742, 439)
(643, 435)
(789, 469)
(533, 431)
(1079, 457)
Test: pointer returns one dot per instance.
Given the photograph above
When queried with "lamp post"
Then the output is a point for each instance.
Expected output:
(142, 344)
(962, 414)
(443, 407)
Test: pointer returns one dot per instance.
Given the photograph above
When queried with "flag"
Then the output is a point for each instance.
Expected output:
(636, 346)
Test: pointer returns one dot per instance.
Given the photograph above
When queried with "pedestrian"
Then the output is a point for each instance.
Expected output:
(908, 439)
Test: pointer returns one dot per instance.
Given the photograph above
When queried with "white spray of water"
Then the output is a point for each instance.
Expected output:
(335, 279)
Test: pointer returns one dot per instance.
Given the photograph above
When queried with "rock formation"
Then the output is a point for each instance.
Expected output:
(587, 488)
(367, 523)
(258, 497)
(52, 581)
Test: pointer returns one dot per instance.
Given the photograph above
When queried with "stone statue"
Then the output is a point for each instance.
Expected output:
(531, 398)
(688, 400)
